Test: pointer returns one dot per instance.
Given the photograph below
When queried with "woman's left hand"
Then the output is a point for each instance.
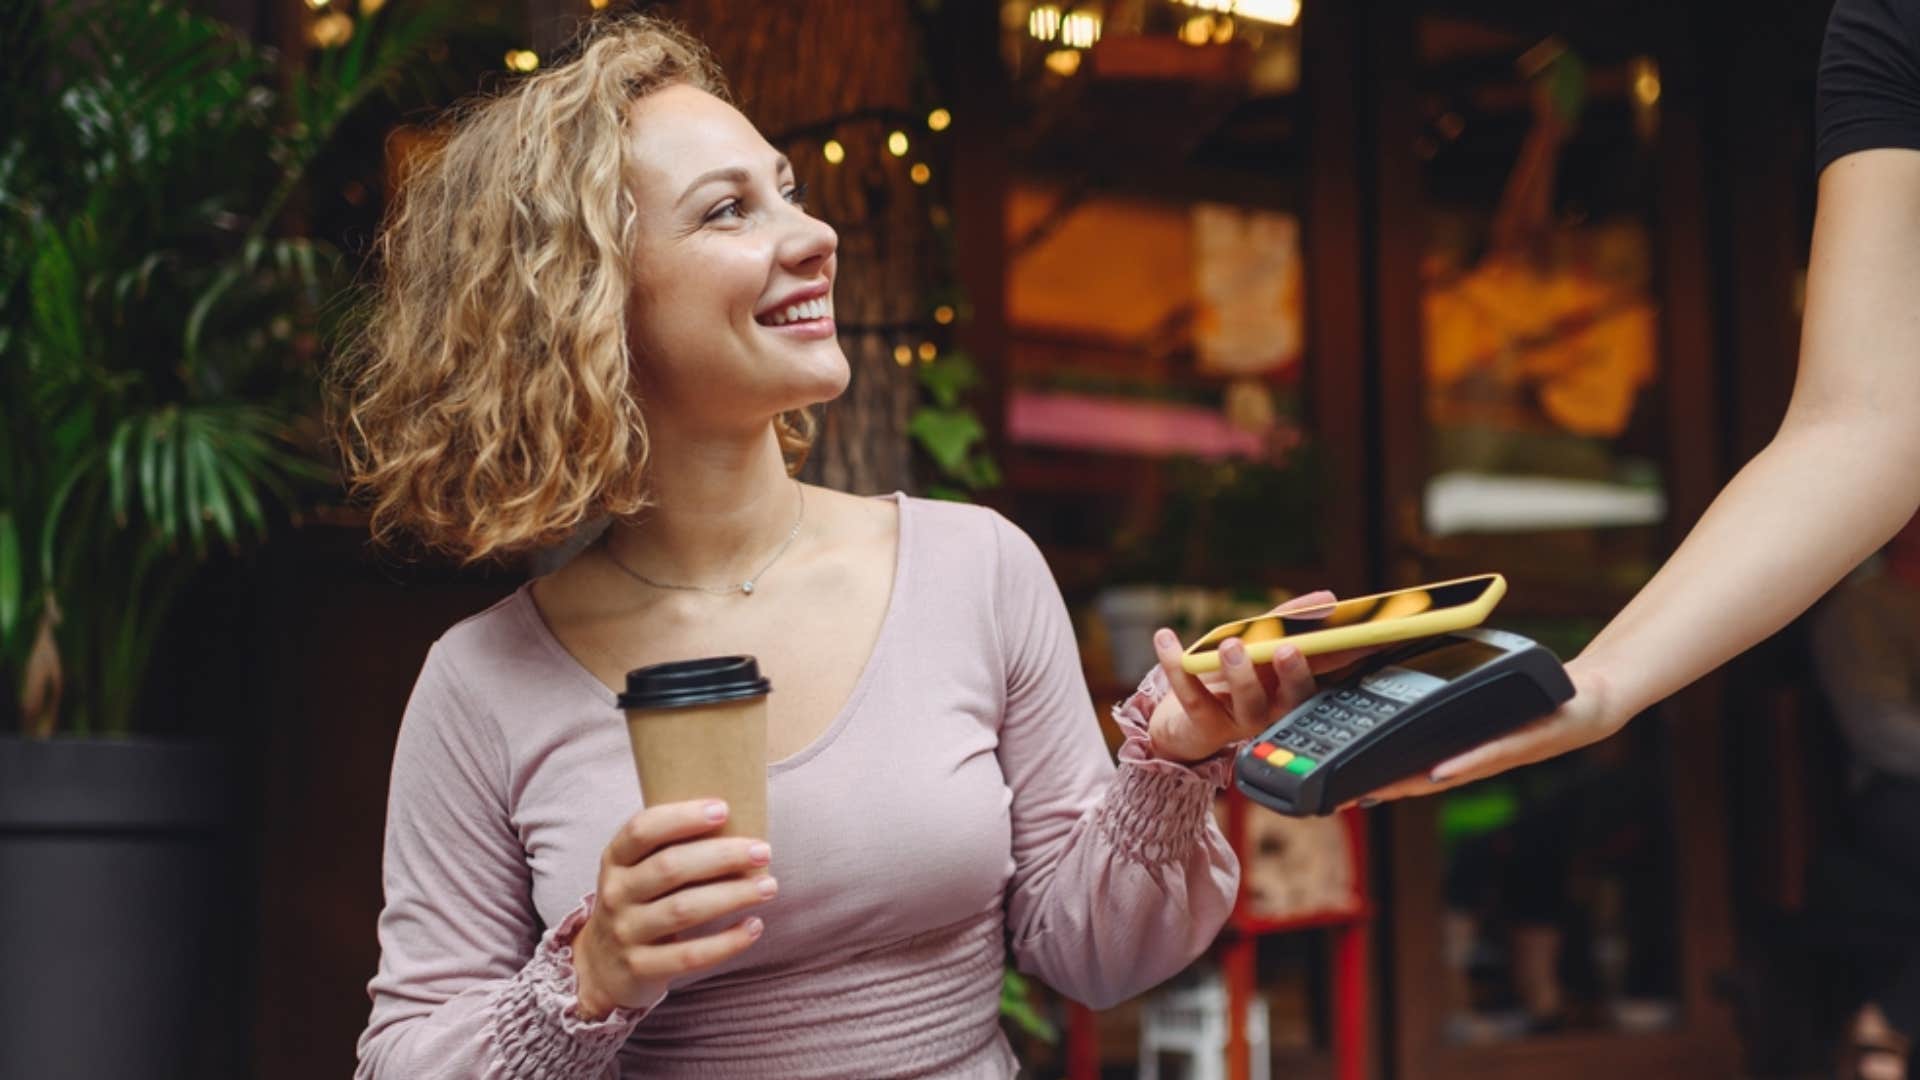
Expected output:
(1202, 715)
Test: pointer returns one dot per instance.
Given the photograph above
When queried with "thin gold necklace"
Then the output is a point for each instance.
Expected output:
(746, 587)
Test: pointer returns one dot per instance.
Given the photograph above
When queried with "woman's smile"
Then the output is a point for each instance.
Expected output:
(806, 317)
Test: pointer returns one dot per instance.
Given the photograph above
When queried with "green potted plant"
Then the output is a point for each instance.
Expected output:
(155, 354)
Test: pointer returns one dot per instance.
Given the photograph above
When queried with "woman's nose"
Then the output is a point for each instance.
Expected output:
(811, 241)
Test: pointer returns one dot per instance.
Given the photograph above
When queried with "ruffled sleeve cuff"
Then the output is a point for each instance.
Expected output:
(1132, 716)
(538, 1029)
(1158, 811)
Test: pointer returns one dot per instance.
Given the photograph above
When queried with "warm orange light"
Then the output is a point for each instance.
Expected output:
(939, 120)
(943, 314)
(920, 173)
(523, 60)
(1277, 12)
(833, 152)
(928, 351)
(1043, 22)
(330, 31)
(1646, 82)
(897, 144)
(1063, 61)
(902, 355)
(1080, 30)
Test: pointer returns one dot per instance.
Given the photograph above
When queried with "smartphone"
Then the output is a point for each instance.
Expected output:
(1399, 615)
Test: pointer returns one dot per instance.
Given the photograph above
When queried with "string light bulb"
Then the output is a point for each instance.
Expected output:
(371, 7)
(920, 173)
(1063, 61)
(897, 144)
(1080, 30)
(939, 120)
(523, 60)
(928, 351)
(331, 30)
(1276, 12)
(943, 314)
(598, 5)
(1646, 82)
(833, 152)
(318, 4)
(1043, 22)
(902, 355)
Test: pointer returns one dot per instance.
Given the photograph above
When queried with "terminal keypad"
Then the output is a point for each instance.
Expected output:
(1312, 735)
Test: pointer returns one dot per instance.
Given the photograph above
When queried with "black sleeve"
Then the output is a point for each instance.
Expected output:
(1869, 86)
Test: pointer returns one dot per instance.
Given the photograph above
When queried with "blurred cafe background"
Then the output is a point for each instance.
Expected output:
(1220, 300)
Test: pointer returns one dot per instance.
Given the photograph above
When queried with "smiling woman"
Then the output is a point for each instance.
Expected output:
(487, 406)
(605, 295)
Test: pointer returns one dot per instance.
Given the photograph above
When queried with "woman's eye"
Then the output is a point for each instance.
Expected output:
(797, 195)
(728, 209)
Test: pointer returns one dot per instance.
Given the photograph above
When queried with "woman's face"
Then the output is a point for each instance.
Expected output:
(732, 311)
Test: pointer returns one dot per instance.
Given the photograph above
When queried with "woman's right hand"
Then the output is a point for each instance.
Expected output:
(662, 875)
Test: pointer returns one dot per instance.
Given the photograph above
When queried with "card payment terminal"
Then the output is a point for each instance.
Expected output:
(1402, 711)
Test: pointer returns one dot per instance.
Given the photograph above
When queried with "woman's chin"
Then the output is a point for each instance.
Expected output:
(825, 380)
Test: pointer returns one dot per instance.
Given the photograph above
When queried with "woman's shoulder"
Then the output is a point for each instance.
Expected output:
(500, 625)
(965, 521)
(976, 542)
(486, 653)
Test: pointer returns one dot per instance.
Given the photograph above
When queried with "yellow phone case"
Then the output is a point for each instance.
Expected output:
(1262, 636)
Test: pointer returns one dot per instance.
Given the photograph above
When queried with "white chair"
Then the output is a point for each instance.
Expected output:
(1192, 1021)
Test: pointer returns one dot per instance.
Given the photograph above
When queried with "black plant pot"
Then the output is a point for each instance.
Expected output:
(113, 868)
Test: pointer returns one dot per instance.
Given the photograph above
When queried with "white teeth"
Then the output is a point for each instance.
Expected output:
(818, 308)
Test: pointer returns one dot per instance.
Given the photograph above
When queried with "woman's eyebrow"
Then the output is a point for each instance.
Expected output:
(731, 173)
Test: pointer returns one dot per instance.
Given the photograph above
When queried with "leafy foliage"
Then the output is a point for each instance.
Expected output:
(947, 429)
(157, 335)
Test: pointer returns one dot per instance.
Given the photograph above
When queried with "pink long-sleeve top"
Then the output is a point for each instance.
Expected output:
(962, 802)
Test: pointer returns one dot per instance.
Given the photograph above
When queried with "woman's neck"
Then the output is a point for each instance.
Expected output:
(719, 511)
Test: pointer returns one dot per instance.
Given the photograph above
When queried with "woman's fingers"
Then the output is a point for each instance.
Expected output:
(695, 954)
(657, 826)
(1293, 682)
(691, 863)
(1244, 689)
(694, 906)
(1193, 697)
(1316, 598)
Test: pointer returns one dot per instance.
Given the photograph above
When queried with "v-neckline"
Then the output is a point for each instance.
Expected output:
(551, 643)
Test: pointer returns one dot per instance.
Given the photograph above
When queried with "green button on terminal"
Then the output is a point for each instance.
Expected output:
(1301, 765)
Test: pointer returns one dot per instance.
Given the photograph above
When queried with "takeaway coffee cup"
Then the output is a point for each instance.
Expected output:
(699, 731)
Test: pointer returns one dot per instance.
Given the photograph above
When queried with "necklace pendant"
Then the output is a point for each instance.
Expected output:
(747, 587)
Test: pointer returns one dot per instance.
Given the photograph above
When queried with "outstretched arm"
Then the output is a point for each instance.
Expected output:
(1839, 478)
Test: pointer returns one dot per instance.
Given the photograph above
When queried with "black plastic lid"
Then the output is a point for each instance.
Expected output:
(694, 682)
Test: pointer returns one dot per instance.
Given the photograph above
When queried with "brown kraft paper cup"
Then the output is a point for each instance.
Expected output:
(699, 731)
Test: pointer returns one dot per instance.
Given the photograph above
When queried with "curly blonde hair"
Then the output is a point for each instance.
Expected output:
(486, 404)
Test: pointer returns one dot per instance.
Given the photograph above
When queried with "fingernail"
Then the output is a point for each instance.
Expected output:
(1368, 803)
(754, 926)
(1437, 777)
(1285, 654)
(768, 887)
(1232, 651)
(716, 811)
(1164, 638)
(760, 853)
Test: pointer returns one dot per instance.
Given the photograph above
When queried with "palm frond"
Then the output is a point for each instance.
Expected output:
(13, 576)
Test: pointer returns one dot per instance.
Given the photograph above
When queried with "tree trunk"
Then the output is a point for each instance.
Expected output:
(805, 73)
